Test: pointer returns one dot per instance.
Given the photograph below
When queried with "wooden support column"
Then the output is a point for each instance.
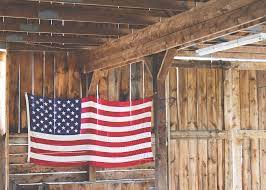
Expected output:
(233, 147)
(161, 64)
(3, 122)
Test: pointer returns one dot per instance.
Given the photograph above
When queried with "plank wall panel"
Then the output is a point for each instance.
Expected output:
(74, 79)
(48, 74)
(14, 92)
(37, 68)
(25, 61)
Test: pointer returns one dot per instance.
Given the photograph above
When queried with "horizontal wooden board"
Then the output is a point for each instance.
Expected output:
(49, 177)
(125, 174)
(18, 149)
(33, 168)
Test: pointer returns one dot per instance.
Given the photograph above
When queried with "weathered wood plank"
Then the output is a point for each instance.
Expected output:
(74, 81)
(192, 125)
(38, 65)
(61, 75)
(25, 61)
(13, 82)
(245, 124)
(202, 125)
(48, 74)
(254, 124)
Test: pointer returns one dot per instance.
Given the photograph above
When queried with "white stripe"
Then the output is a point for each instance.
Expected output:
(90, 147)
(115, 119)
(92, 158)
(115, 108)
(90, 136)
(115, 129)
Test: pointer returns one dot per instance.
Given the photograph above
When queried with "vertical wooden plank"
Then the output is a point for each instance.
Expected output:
(73, 76)
(202, 125)
(174, 144)
(136, 81)
(124, 86)
(13, 65)
(61, 75)
(38, 66)
(114, 77)
(48, 74)
(25, 85)
(253, 103)
(183, 144)
(220, 126)
(244, 121)
(261, 75)
(212, 125)
(192, 118)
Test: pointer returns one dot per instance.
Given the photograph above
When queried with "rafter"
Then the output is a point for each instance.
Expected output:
(137, 4)
(80, 13)
(198, 25)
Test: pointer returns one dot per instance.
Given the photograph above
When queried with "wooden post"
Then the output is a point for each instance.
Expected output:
(4, 75)
(161, 64)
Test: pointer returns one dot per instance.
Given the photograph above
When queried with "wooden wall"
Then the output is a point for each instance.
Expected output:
(199, 149)
(45, 74)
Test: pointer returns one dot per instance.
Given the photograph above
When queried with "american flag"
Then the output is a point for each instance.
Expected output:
(89, 131)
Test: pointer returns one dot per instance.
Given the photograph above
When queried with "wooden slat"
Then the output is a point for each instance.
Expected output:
(126, 174)
(13, 65)
(73, 76)
(32, 168)
(53, 177)
(192, 118)
(18, 149)
(18, 158)
(202, 125)
(204, 22)
(48, 80)
(61, 75)
(38, 65)
(25, 60)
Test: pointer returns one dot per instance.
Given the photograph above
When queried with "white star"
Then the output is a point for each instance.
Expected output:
(63, 120)
(45, 126)
(59, 102)
(76, 123)
(41, 99)
(50, 115)
(68, 109)
(67, 124)
(46, 111)
(32, 104)
(34, 120)
(64, 105)
(50, 130)
(63, 128)
(59, 109)
(38, 124)
(50, 123)
(72, 105)
(50, 108)
(50, 101)
(38, 109)
(76, 130)
(34, 128)
(42, 129)
(59, 116)
(37, 117)
(77, 108)
(63, 113)
(45, 118)
(72, 127)
(33, 112)
(72, 119)
(72, 113)
(45, 103)
(58, 124)
(67, 116)
(67, 131)
(68, 102)
(41, 106)
(59, 131)
(77, 101)
(76, 116)
(32, 97)
(41, 121)
(37, 102)
(41, 114)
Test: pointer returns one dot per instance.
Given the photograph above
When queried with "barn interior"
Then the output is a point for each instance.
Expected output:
(203, 62)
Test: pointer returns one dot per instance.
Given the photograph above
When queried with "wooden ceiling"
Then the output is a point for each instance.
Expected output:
(79, 24)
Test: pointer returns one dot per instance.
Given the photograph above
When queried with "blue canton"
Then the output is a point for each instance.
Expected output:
(54, 116)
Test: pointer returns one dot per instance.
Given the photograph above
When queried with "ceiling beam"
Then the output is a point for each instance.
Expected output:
(56, 39)
(209, 21)
(74, 28)
(136, 4)
(81, 13)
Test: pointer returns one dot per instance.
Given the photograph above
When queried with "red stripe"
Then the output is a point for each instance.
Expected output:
(90, 152)
(90, 142)
(115, 134)
(116, 103)
(116, 124)
(96, 164)
(115, 114)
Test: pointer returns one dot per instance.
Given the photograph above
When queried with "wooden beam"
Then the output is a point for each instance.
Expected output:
(55, 39)
(139, 4)
(199, 135)
(70, 27)
(81, 13)
(160, 64)
(197, 25)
